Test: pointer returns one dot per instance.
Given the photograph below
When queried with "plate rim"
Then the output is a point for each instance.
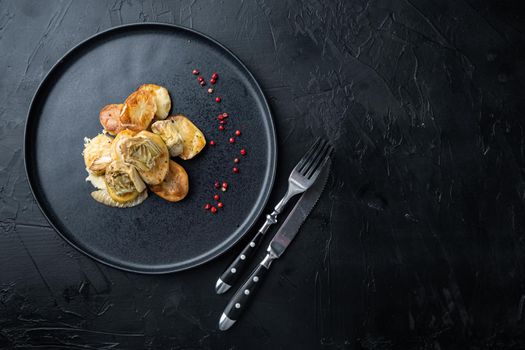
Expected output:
(272, 161)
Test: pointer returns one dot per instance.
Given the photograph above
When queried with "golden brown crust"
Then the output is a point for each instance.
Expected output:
(162, 99)
(139, 110)
(175, 186)
(109, 117)
(193, 139)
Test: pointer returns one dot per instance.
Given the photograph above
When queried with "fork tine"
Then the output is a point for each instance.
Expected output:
(312, 160)
(312, 156)
(317, 162)
(316, 159)
(307, 154)
(313, 175)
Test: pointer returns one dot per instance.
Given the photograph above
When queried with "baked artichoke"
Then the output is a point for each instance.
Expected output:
(193, 139)
(124, 134)
(123, 182)
(167, 130)
(97, 153)
(146, 152)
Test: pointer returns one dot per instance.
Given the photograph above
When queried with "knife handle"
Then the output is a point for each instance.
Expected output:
(244, 295)
(232, 273)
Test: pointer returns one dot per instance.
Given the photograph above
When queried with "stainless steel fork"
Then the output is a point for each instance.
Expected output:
(301, 178)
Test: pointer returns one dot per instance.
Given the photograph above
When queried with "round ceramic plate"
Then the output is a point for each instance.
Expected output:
(156, 236)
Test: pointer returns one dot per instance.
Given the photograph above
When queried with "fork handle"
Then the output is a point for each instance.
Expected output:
(232, 273)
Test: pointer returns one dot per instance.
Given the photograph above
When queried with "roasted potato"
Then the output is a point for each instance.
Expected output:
(193, 139)
(146, 152)
(175, 185)
(110, 118)
(162, 99)
(97, 153)
(139, 110)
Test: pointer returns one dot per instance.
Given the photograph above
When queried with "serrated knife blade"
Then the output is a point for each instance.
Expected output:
(301, 210)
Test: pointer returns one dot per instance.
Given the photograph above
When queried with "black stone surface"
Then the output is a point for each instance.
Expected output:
(418, 243)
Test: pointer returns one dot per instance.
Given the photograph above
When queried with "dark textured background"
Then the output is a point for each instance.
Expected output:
(418, 242)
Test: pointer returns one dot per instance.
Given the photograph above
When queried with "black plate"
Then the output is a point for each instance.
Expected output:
(157, 236)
